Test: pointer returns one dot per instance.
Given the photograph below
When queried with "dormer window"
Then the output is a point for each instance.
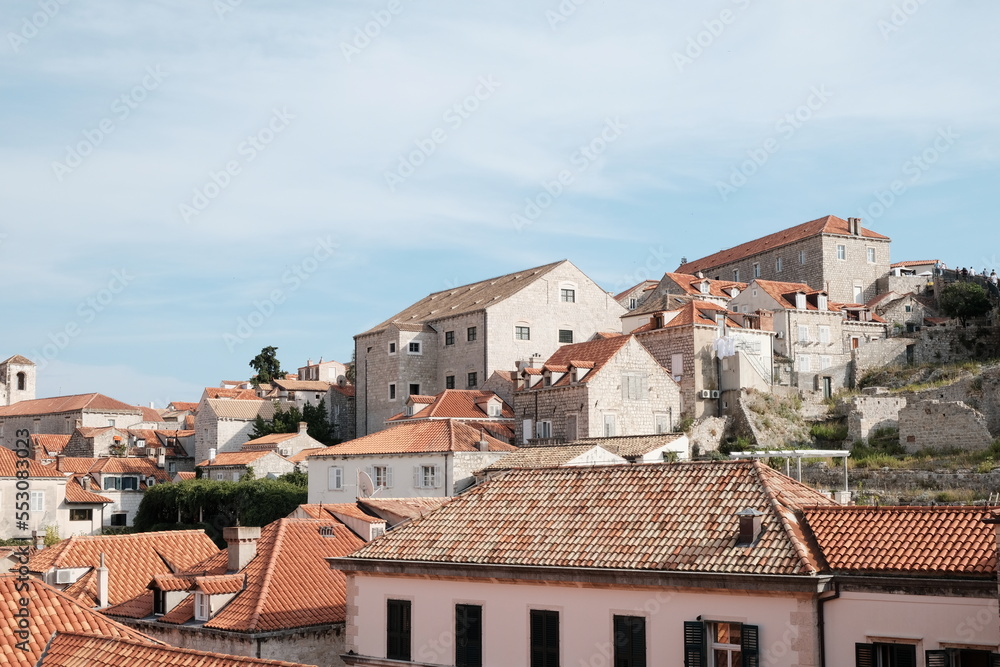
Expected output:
(821, 302)
(159, 602)
(493, 410)
(704, 287)
(800, 301)
(202, 606)
(735, 292)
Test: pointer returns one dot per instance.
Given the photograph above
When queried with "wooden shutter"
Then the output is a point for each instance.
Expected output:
(937, 658)
(388, 477)
(694, 644)
(750, 645)
(468, 635)
(906, 655)
(864, 655)
(994, 659)
(436, 477)
(544, 638)
(398, 630)
(417, 481)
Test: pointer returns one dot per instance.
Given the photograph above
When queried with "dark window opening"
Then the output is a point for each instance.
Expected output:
(449, 381)
(397, 628)
(544, 641)
(449, 337)
(630, 641)
(565, 336)
(468, 635)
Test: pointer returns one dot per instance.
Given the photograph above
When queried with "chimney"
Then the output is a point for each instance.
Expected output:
(38, 539)
(211, 455)
(484, 446)
(750, 527)
(700, 274)
(161, 457)
(85, 482)
(303, 427)
(102, 584)
(241, 543)
(59, 462)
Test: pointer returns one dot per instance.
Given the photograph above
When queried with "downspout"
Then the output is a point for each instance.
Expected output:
(486, 343)
(821, 622)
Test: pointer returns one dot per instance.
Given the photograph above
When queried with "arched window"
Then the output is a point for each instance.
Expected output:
(22, 381)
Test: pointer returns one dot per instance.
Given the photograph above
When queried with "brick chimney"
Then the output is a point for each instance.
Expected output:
(102, 584)
(766, 320)
(241, 543)
(303, 427)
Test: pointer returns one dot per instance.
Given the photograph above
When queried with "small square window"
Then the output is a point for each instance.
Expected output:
(414, 347)
(522, 333)
(473, 380)
(81, 514)
(449, 337)
(567, 295)
(565, 335)
(392, 391)
(908, 308)
(470, 334)
(392, 348)
(119, 519)
(449, 381)
(414, 389)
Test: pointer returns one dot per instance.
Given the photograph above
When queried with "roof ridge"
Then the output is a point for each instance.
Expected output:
(777, 507)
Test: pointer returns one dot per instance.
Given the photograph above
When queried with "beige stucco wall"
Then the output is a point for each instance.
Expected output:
(787, 623)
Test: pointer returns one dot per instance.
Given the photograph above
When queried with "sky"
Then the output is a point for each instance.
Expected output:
(185, 183)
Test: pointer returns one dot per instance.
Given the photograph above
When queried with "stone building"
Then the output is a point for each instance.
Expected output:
(837, 256)
(62, 415)
(17, 380)
(342, 404)
(903, 312)
(482, 410)
(634, 296)
(457, 338)
(710, 352)
(610, 386)
(224, 424)
(122, 481)
(232, 466)
(333, 372)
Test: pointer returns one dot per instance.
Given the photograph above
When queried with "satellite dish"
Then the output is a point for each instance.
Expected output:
(366, 487)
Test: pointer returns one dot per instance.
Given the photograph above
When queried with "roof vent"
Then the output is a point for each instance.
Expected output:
(750, 527)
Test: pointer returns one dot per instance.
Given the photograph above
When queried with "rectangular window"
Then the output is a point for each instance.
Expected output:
(473, 380)
(610, 426)
(449, 337)
(804, 365)
(907, 308)
(543, 429)
(841, 252)
(871, 255)
(859, 292)
(220, 475)
(959, 657)
(565, 335)
(470, 334)
(756, 270)
(130, 484)
(37, 501)
(677, 366)
(777, 265)
(426, 477)
(381, 477)
(544, 640)
(567, 295)
(119, 519)
(803, 333)
(885, 655)
(112, 483)
(824, 333)
(397, 630)
(632, 303)
(468, 635)
(802, 256)
(449, 381)
(630, 641)
(202, 606)
(159, 602)
(414, 347)
(736, 275)
(721, 644)
(825, 362)
(522, 333)
(392, 391)
(81, 515)
(414, 389)
(634, 387)
(392, 348)
(662, 423)
(335, 478)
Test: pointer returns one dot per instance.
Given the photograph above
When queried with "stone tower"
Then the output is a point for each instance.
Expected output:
(17, 380)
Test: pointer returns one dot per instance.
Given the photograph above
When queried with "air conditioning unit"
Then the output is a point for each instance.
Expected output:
(286, 451)
(705, 393)
(715, 394)
(64, 577)
(780, 334)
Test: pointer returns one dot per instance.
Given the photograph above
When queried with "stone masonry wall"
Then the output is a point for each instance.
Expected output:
(942, 425)
(840, 276)
(871, 412)
(663, 344)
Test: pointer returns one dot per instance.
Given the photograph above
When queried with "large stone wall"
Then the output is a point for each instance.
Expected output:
(872, 411)
(934, 424)
(941, 344)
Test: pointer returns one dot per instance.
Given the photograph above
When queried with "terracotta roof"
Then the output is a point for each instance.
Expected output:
(632, 446)
(75, 650)
(395, 509)
(173, 582)
(302, 385)
(691, 284)
(270, 439)
(51, 612)
(346, 390)
(185, 475)
(182, 406)
(444, 435)
(465, 299)
(116, 465)
(659, 303)
(132, 560)
(237, 394)
(455, 404)
(77, 494)
(641, 287)
(699, 312)
(17, 359)
(830, 224)
(238, 409)
(599, 352)
(8, 466)
(289, 583)
(219, 584)
(918, 541)
(919, 262)
(223, 459)
(677, 516)
(59, 404)
(540, 457)
(49, 443)
(150, 414)
(302, 455)
(780, 291)
(329, 511)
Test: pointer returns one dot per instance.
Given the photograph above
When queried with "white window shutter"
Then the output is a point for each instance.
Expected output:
(437, 477)
(416, 478)
(370, 471)
(388, 477)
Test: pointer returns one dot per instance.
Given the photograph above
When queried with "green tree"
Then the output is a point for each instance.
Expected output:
(964, 300)
(351, 373)
(287, 421)
(267, 366)
(296, 478)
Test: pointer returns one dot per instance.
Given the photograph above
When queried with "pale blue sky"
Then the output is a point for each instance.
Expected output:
(170, 169)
